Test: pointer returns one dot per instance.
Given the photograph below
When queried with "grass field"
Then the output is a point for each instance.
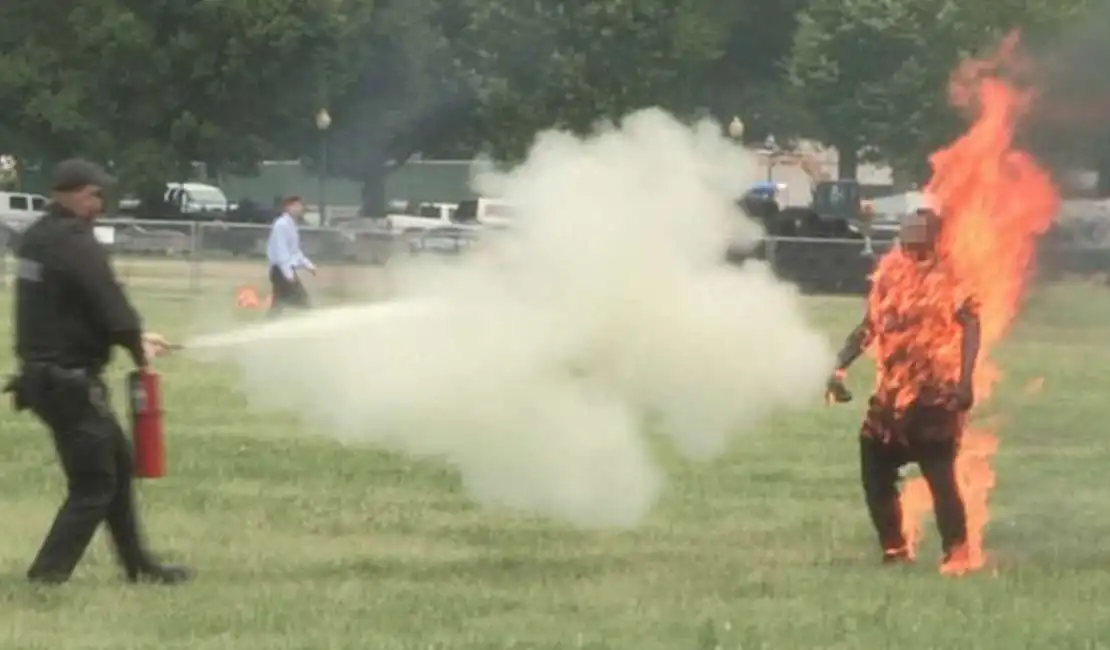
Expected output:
(303, 544)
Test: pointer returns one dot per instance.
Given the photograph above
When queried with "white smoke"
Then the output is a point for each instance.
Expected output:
(537, 364)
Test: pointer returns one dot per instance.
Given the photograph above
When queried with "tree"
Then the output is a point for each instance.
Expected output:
(550, 64)
(875, 72)
(843, 60)
(394, 87)
(1070, 128)
(469, 76)
(747, 79)
(153, 85)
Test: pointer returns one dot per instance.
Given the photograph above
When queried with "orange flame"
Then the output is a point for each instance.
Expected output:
(994, 200)
(248, 298)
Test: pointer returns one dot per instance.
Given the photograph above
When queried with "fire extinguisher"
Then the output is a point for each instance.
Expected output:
(144, 386)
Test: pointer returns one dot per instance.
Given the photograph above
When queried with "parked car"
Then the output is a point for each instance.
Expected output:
(449, 240)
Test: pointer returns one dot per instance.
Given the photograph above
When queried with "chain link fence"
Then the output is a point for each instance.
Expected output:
(227, 259)
(194, 258)
(842, 266)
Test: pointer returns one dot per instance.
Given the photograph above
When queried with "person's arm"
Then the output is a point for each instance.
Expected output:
(968, 318)
(854, 346)
(299, 258)
(92, 274)
(860, 338)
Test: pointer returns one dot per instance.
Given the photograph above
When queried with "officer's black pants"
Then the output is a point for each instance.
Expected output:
(926, 436)
(285, 292)
(95, 455)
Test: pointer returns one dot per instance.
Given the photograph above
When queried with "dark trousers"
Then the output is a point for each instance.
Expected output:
(285, 292)
(928, 436)
(95, 455)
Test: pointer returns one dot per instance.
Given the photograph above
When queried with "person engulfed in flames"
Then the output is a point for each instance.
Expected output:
(924, 329)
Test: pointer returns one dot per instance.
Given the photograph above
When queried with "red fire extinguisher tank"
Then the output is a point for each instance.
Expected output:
(144, 388)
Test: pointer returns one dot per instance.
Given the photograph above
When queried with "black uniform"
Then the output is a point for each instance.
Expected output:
(69, 312)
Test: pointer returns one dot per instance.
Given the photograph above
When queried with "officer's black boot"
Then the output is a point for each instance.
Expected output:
(123, 525)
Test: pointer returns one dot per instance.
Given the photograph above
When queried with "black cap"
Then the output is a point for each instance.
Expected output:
(77, 173)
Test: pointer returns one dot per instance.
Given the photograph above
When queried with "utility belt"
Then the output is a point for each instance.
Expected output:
(64, 397)
(51, 387)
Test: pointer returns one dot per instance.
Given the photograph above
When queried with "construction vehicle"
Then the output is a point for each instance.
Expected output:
(836, 209)
(761, 204)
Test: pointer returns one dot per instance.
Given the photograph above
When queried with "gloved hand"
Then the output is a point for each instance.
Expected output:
(836, 391)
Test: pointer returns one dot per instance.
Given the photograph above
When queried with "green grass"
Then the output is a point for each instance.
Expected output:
(309, 545)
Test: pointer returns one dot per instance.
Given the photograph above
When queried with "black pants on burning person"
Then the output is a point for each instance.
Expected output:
(926, 435)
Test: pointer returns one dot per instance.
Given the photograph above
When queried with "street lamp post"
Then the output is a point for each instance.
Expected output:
(323, 122)
(736, 128)
(770, 149)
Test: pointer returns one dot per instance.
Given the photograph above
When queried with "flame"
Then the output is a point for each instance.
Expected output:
(994, 200)
(248, 298)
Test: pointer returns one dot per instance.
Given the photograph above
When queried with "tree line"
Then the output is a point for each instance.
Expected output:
(153, 85)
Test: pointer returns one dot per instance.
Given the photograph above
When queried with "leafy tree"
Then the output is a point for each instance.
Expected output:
(549, 63)
(747, 79)
(394, 88)
(152, 85)
(844, 57)
(875, 72)
(1071, 127)
(468, 76)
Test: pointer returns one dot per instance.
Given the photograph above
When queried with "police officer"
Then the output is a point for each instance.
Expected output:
(69, 313)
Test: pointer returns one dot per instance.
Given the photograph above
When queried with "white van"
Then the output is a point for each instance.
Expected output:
(18, 209)
(193, 198)
(188, 198)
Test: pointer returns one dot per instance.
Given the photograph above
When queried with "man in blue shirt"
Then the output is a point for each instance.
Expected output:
(283, 250)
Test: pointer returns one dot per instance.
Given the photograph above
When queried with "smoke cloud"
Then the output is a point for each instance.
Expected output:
(1070, 124)
(537, 364)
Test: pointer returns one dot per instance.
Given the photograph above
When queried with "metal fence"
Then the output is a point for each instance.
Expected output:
(190, 257)
(820, 266)
(226, 259)
(842, 266)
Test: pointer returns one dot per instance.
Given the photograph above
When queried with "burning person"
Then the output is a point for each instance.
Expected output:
(924, 330)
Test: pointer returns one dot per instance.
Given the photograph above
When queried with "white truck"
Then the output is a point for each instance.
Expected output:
(408, 219)
(17, 211)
